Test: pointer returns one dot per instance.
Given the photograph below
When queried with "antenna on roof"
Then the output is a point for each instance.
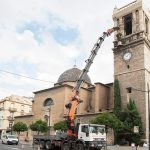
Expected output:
(75, 66)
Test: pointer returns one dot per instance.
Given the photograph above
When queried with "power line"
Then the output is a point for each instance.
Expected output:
(25, 76)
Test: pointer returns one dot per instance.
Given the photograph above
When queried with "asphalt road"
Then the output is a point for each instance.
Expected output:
(126, 148)
(29, 147)
(15, 147)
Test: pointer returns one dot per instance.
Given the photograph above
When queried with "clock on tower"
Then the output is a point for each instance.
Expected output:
(132, 56)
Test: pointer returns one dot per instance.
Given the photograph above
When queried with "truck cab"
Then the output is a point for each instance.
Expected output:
(92, 135)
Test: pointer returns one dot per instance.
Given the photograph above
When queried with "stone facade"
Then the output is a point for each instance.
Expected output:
(134, 72)
(95, 100)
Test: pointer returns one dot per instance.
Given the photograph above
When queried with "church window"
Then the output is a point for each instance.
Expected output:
(48, 102)
(128, 24)
(129, 89)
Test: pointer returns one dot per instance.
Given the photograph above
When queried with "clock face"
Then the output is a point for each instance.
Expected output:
(127, 56)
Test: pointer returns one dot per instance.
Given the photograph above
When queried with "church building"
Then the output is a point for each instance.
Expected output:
(131, 67)
(96, 98)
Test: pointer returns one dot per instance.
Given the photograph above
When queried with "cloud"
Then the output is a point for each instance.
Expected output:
(42, 39)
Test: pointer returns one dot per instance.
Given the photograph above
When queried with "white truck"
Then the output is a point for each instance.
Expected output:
(90, 136)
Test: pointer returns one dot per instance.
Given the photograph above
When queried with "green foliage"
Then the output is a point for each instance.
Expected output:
(39, 126)
(131, 118)
(20, 127)
(110, 120)
(117, 98)
(61, 125)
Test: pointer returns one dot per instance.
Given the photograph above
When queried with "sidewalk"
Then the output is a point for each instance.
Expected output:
(26, 143)
(125, 148)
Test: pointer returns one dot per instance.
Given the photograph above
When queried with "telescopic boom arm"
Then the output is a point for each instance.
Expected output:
(75, 100)
(94, 51)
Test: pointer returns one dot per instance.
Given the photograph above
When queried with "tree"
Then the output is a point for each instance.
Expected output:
(117, 98)
(110, 120)
(61, 125)
(130, 116)
(39, 126)
(20, 127)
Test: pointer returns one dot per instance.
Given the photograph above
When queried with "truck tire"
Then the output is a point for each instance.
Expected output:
(42, 144)
(65, 146)
(49, 145)
(79, 147)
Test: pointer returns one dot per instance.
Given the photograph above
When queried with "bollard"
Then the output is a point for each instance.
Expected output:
(132, 146)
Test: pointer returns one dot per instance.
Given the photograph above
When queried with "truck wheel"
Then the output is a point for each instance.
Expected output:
(49, 146)
(65, 147)
(79, 147)
(42, 144)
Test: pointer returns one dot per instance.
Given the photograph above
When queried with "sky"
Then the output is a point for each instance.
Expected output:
(43, 38)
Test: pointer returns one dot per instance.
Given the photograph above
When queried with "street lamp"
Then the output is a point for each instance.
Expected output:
(48, 103)
(148, 96)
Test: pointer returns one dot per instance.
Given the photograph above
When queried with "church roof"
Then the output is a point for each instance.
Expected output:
(72, 75)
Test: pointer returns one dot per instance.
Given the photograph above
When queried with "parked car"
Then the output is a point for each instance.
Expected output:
(9, 139)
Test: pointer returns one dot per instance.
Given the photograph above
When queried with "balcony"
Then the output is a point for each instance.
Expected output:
(11, 109)
(11, 119)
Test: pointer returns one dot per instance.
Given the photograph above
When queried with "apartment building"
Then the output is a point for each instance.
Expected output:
(13, 106)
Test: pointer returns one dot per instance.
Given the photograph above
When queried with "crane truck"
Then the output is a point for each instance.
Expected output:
(79, 136)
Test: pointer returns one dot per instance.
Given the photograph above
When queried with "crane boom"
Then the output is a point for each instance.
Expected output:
(94, 51)
(75, 100)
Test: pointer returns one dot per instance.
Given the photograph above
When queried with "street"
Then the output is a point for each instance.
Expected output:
(125, 148)
(15, 147)
(21, 146)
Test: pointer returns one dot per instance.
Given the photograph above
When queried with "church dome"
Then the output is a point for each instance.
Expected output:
(72, 75)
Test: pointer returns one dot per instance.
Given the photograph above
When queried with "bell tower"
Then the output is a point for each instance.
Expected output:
(132, 55)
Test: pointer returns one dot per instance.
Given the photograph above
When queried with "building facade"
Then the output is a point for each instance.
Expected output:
(132, 56)
(13, 106)
(96, 98)
(131, 68)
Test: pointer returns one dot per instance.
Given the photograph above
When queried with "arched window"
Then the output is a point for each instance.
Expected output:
(48, 102)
